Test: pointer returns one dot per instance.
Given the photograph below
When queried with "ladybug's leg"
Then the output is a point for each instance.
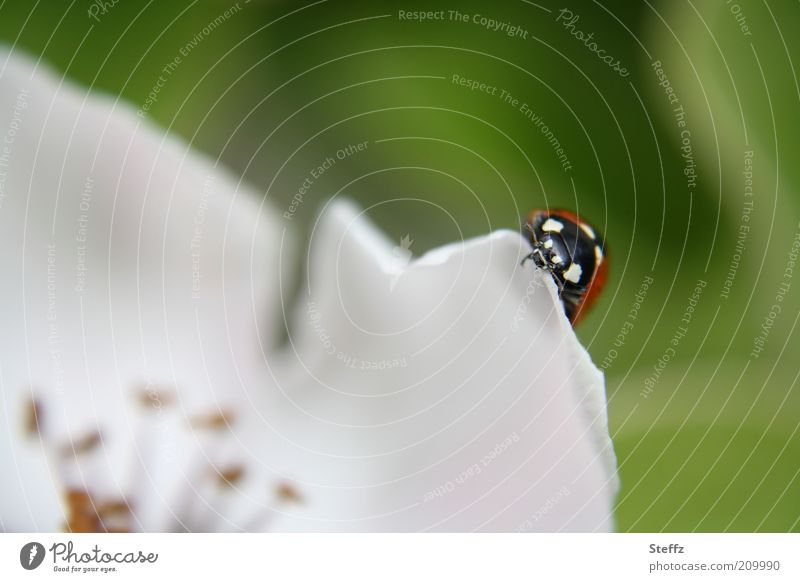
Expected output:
(560, 285)
(536, 256)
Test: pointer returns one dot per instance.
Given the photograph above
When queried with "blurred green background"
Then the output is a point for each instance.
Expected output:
(274, 88)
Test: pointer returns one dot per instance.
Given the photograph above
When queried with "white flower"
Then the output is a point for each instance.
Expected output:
(131, 266)
(142, 312)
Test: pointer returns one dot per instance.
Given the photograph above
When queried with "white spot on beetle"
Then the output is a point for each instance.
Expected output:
(573, 274)
(548, 244)
(551, 225)
(588, 230)
(555, 259)
(598, 254)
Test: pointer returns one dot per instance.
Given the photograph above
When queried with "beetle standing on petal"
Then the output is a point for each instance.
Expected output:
(573, 252)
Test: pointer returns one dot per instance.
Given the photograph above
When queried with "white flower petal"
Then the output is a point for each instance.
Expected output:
(458, 399)
(129, 262)
(448, 393)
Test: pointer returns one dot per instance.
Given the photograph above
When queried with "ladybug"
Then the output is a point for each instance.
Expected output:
(573, 252)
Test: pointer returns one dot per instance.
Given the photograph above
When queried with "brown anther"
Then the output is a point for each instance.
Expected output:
(231, 476)
(212, 421)
(83, 445)
(33, 421)
(85, 516)
(152, 398)
(78, 500)
(113, 509)
(82, 516)
(288, 494)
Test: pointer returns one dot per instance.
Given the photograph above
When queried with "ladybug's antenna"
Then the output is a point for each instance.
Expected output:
(527, 226)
